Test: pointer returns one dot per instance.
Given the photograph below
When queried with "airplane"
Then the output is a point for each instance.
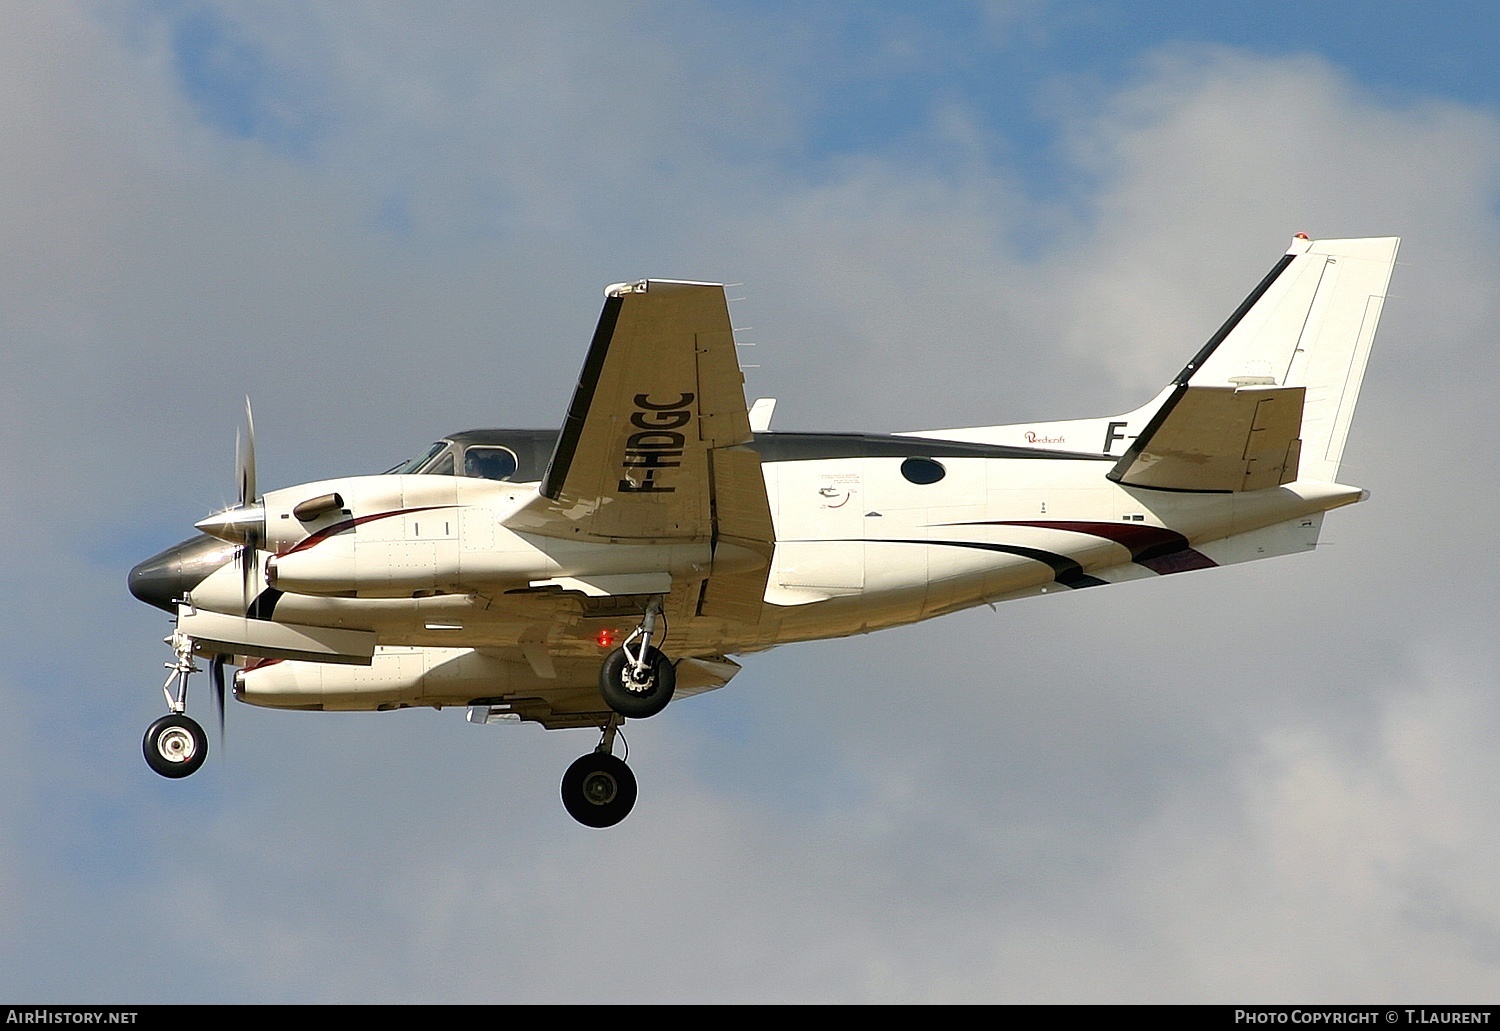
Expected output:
(589, 575)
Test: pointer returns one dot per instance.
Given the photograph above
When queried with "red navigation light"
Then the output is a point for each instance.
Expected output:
(606, 638)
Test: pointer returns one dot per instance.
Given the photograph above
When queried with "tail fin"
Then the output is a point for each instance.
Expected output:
(1310, 326)
(1268, 399)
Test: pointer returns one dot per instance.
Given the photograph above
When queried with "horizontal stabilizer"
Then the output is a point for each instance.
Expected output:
(1218, 439)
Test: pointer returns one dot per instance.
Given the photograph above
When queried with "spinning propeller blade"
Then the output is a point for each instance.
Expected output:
(216, 676)
(244, 448)
(245, 458)
(245, 523)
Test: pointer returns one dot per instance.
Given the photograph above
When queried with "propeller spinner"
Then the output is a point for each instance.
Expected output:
(244, 524)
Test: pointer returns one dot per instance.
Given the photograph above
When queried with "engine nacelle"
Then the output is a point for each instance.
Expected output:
(369, 566)
(405, 536)
(396, 677)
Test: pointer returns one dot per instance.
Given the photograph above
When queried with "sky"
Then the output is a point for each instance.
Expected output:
(1276, 782)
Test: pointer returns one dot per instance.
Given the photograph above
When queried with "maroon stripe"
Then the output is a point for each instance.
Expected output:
(313, 540)
(1155, 547)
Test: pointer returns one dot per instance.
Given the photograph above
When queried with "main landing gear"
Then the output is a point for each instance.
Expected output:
(638, 681)
(599, 790)
(176, 745)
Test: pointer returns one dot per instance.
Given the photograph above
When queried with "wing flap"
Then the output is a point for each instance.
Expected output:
(743, 546)
(1218, 439)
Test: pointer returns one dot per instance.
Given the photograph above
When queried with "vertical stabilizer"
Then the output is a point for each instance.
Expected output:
(1267, 400)
(1311, 326)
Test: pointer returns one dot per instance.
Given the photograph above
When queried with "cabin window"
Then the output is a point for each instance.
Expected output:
(442, 467)
(490, 463)
(923, 470)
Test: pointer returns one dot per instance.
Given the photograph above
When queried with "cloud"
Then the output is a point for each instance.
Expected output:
(1343, 866)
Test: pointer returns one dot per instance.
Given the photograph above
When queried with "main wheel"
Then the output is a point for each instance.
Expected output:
(598, 790)
(175, 746)
(637, 697)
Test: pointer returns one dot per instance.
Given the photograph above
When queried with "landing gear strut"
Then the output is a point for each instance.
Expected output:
(176, 745)
(636, 679)
(599, 790)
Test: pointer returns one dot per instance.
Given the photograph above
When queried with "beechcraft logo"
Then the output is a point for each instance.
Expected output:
(835, 489)
(656, 444)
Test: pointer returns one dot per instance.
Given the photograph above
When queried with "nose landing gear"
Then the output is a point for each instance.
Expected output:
(175, 745)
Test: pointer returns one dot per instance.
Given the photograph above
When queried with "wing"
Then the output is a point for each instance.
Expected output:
(652, 448)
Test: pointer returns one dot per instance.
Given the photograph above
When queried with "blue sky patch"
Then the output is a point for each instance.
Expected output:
(236, 87)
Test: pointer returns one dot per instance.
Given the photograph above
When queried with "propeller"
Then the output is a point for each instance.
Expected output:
(245, 523)
(245, 526)
(216, 677)
(244, 455)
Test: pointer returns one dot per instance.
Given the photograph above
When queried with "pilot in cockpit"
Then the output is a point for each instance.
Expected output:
(490, 463)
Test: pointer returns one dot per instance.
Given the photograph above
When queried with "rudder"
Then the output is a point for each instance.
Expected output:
(1312, 326)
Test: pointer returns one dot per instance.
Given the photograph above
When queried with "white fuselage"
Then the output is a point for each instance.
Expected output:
(426, 563)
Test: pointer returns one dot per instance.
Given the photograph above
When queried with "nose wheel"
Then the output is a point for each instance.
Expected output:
(175, 745)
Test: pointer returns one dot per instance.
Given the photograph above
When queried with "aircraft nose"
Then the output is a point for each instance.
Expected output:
(163, 578)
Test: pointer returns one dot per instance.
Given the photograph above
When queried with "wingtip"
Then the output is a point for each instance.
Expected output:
(641, 286)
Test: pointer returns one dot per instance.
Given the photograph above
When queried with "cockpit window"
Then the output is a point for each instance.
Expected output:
(406, 468)
(490, 463)
(442, 467)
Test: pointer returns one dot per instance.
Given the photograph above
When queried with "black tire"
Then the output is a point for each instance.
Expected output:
(175, 746)
(598, 790)
(637, 700)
